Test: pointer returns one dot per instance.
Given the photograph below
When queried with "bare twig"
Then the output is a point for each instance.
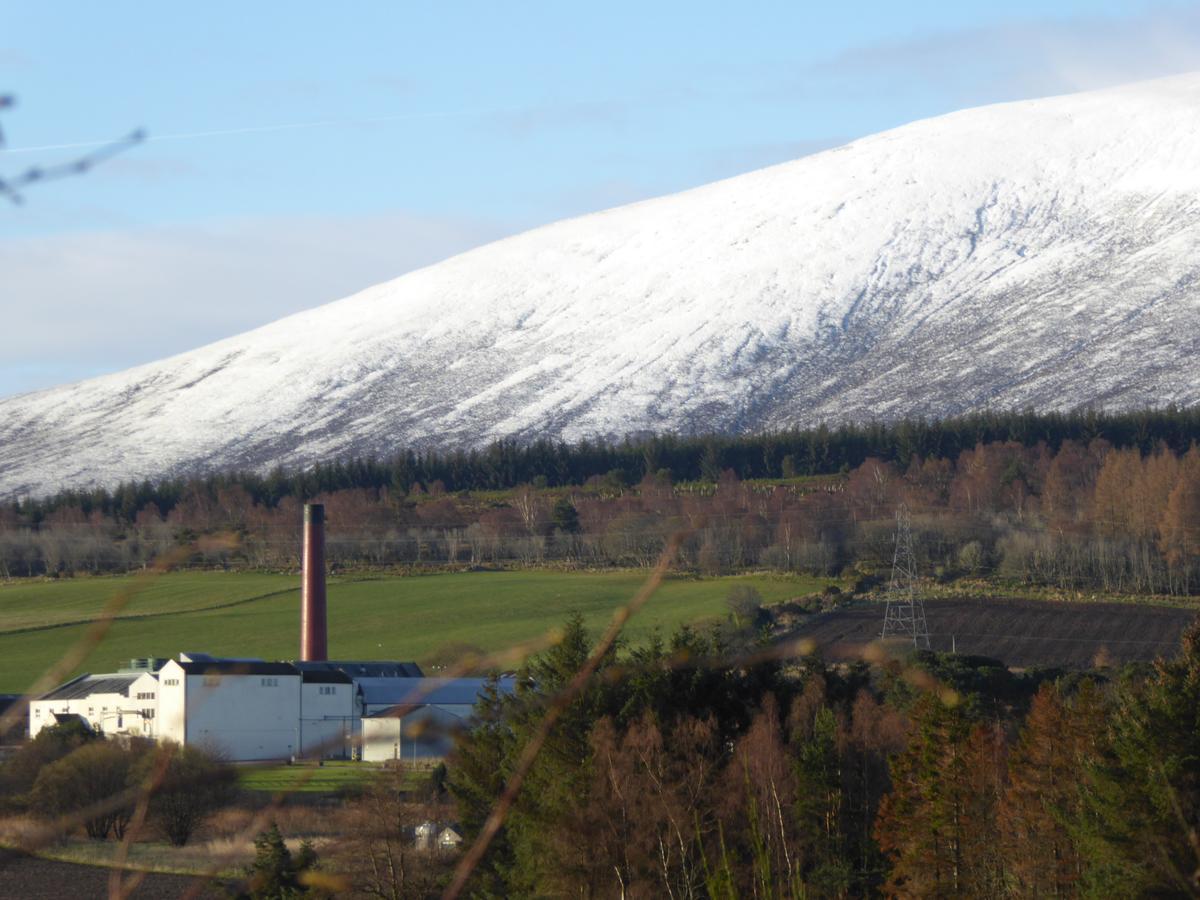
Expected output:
(12, 187)
(559, 705)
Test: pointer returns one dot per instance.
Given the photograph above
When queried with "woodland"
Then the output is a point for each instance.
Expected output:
(1082, 502)
(932, 776)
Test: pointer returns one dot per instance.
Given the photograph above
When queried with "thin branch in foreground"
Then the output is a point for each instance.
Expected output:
(12, 187)
(92, 638)
(500, 811)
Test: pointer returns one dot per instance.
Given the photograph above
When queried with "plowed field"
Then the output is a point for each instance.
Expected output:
(31, 878)
(1021, 633)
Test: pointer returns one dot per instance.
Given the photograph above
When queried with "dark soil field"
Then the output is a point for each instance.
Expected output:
(1021, 633)
(33, 878)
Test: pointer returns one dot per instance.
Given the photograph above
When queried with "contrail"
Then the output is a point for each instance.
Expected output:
(266, 129)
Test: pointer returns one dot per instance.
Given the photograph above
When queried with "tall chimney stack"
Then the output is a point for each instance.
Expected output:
(313, 629)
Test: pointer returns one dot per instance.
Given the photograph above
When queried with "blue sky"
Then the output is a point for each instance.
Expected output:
(300, 151)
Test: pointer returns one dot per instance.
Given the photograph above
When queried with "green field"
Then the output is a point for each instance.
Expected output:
(37, 603)
(310, 779)
(425, 618)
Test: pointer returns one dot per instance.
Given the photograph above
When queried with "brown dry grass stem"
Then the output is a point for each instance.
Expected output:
(120, 887)
(97, 631)
(502, 659)
(557, 707)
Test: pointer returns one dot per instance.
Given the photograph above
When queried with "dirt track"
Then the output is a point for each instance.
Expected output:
(1021, 633)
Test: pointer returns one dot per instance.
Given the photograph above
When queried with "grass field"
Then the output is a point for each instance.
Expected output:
(309, 779)
(387, 617)
(38, 603)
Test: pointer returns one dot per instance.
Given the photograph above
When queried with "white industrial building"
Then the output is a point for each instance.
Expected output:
(248, 709)
(121, 703)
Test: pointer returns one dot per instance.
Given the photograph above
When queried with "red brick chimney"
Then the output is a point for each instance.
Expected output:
(314, 641)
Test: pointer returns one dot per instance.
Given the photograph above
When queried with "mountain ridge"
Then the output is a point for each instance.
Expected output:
(1031, 254)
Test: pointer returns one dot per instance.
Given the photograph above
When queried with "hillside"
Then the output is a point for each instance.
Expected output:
(1035, 254)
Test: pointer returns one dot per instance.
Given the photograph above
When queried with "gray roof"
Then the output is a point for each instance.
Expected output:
(358, 668)
(86, 685)
(427, 691)
(400, 710)
(237, 667)
(318, 676)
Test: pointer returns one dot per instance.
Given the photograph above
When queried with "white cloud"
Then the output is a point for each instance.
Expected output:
(1008, 61)
(81, 304)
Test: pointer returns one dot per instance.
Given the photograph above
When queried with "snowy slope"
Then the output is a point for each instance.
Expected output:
(1040, 254)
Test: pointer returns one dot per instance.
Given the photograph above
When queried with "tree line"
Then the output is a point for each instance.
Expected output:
(1077, 516)
(786, 453)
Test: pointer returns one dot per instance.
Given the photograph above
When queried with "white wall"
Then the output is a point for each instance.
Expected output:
(328, 722)
(110, 713)
(172, 703)
(380, 739)
(244, 717)
(41, 713)
(425, 733)
(143, 697)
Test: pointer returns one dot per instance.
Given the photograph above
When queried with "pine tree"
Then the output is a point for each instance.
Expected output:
(275, 874)
(1141, 830)
(1042, 800)
(477, 778)
(566, 516)
(819, 806)
(561, 774)
(938, 824)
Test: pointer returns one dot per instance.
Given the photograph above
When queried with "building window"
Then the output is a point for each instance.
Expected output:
(171, 682)
(145, 696)
(329, 691)
(37, 713)
(270, 682)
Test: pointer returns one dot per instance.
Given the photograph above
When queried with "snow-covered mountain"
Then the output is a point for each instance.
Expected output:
(1037, 254)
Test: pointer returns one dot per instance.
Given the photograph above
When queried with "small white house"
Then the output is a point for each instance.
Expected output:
(431, 835)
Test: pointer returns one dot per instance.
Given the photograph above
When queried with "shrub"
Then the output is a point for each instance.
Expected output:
(50, 745)
(193, 786)
(745, 607)
(93, 782)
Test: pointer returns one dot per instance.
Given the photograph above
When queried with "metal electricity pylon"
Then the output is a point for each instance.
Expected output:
(905, 615)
